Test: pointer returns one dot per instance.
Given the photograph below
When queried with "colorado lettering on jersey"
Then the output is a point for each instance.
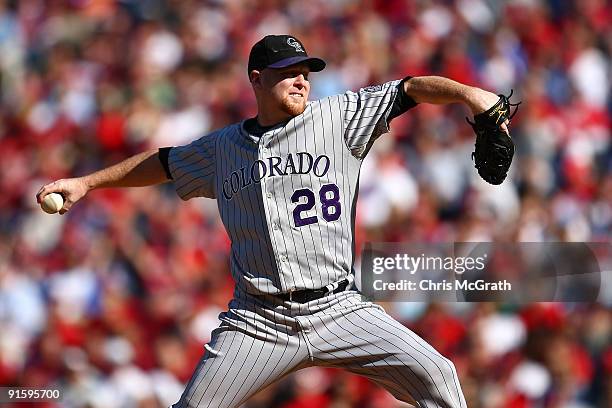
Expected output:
(300, 163)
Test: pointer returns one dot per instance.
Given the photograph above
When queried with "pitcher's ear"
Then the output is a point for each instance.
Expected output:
(255, 77)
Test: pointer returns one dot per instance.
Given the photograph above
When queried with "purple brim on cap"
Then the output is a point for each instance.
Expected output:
(315, 64)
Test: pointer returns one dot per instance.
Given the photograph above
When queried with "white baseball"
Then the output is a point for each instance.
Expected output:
(52, 203)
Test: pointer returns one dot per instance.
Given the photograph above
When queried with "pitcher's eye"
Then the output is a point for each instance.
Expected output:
(294, 74)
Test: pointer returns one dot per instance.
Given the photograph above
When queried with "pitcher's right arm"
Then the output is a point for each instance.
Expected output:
(143, 169)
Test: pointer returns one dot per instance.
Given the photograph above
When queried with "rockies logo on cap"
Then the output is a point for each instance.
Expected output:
(295, 44)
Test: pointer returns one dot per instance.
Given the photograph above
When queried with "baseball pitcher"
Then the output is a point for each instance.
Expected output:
(286, 185)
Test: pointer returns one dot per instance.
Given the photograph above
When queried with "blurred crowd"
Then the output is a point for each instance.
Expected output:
(114, 301)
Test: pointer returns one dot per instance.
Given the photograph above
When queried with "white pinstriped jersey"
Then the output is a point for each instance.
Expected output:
(287, 198)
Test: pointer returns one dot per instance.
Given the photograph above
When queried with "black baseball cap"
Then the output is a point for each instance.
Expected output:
(280, 51)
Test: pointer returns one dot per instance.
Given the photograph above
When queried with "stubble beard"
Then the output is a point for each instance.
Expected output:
(293, 108)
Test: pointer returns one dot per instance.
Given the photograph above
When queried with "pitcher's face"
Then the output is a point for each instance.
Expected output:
(286, 89)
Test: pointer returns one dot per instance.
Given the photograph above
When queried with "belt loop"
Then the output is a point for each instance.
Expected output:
(291, 296)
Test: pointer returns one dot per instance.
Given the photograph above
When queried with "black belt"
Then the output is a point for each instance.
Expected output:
(308, 295)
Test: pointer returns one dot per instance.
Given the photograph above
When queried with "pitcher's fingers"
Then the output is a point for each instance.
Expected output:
(67, 206)
(46, 189)
(505, 128)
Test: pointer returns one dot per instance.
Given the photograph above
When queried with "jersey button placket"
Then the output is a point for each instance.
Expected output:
(263, 146)
(263, 155)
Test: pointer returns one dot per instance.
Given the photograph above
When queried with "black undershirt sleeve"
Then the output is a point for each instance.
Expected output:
(163, 158)
(402, 103)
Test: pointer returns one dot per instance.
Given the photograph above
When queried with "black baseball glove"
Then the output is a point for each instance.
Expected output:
(494, 147)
